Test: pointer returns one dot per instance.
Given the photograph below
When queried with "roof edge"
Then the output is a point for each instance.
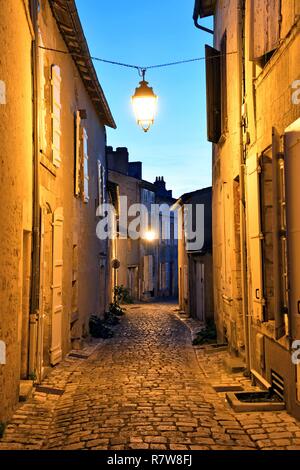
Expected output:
(204, 8)
(69, 24)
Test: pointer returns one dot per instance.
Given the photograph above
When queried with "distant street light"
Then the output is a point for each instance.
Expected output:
(150, 236)
(144, 103)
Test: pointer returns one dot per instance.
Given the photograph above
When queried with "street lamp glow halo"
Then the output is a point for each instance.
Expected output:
(144, 103)
(150, 236)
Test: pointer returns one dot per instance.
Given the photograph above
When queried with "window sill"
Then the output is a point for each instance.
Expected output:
(46, 163)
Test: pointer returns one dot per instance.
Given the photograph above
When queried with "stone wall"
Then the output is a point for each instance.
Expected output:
(16, 191)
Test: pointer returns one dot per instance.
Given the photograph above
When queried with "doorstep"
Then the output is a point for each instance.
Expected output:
(234, 364)
(25, 389)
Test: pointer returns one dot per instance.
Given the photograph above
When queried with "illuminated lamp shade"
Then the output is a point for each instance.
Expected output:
(144, 103)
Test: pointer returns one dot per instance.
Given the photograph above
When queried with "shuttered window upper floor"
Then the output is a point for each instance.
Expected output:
(270, 22)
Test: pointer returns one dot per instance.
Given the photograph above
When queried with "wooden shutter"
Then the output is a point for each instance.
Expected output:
(77, 155)
(213, 94)
(254, 237)
(160, 275)
(85, 166)
(148, 273)
(278, 301)
(103, 183)
(151, 284)
(185, 282)
(167, 278)
(163, 276)
(223, 75)
(43, 105)
(56, 115)
(57, 273)
(265, 22)
(100, 183)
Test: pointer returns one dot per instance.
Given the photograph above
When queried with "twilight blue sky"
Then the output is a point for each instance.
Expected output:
(146, 33)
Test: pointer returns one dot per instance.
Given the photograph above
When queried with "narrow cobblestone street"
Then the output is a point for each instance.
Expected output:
(143, 389)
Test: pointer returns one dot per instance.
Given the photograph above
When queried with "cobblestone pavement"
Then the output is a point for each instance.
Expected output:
(144, 389)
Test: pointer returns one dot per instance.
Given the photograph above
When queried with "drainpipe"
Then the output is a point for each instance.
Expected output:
(196, 15)
(35, 275)
(243, 239)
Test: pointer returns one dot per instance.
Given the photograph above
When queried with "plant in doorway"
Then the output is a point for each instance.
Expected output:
(111, 319)
(122, 295)
(2, 429)
(98, 328)
(206, 336)
(116, 309)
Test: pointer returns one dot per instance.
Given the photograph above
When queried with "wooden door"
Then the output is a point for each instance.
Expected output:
(133, 286)
(57, 303)
(200, 291)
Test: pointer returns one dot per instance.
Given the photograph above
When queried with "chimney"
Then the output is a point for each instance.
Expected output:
(160, 183)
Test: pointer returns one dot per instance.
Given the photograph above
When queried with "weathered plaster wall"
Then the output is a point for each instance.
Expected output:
(16, 188)
(127, 251)
(226, 163)
(268, 104)
(79, 218)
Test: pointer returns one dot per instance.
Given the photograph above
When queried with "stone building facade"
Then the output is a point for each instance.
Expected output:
(253, 121)
(53, 267)
(195, 280)
(147, 267)
(16, 150)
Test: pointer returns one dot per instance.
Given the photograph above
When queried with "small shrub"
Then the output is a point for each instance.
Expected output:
(32, 376)
(98, 329)
(206, 336)
(122, 295)
(116, 309)
(111, 319)
(2, 429)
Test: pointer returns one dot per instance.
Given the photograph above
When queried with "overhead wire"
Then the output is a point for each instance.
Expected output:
(137, 67)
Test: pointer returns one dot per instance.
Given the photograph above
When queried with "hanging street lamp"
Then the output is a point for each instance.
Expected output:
(144, 103)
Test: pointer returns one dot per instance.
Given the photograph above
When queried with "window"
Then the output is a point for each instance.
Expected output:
(56, 114)
(265, 28)
(85, 166)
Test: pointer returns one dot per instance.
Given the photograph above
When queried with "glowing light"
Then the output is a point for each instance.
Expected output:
(150, 236)
(144, 103)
